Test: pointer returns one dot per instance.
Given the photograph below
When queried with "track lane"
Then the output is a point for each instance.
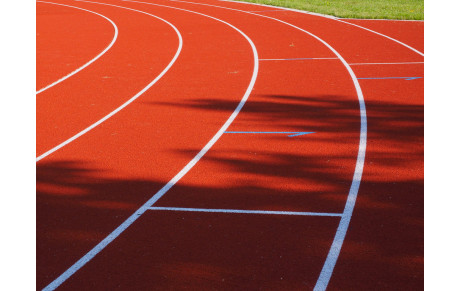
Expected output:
(90, 61)
(376, 45)
(337, 282)
(409, 33)
(93, 265)
(57, 58)
(390, 205)
(118, 185)
(82, 102)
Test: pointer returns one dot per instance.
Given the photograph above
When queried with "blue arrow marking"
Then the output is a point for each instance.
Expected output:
(290, 133)
(406, 78)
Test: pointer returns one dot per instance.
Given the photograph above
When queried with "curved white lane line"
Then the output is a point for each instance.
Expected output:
(132, 98)
(381, 34)
(92, 60)
(320, 15)
(101, 245)
(336, 246)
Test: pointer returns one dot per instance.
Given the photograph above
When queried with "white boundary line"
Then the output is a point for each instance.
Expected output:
(381, 34)
(132, 98)
(101, 245)
(92, 60)
(402, 63)
(325, 16)
(283, 8)
(339, 237)
(238, 211)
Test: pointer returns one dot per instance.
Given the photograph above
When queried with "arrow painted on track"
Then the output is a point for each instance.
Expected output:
(382, 78)
(289, 133)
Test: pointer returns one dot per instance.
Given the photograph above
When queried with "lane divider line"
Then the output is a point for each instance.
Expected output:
(336, 246)
(384, 78)
(92, 60)
(381, 34)
(402, 63)
(130, 220)
(281, 8)
(333, 18)
(246, 211)
(290, 133)
(295, 59)
(173, 60)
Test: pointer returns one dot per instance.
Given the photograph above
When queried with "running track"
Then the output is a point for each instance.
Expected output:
(198, 146)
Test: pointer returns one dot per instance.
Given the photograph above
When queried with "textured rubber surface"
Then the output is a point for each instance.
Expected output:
(89, 187)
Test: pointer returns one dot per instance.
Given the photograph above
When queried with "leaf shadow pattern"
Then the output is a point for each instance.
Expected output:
(77, 206)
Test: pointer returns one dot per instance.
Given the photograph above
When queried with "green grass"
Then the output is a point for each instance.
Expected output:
(371, 9)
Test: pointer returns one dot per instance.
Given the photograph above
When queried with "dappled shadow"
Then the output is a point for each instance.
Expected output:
(78, 205)
(324, 113)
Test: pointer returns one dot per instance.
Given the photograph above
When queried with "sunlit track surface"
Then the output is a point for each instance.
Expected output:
(83, 45)
(261, 208)
(90, 61)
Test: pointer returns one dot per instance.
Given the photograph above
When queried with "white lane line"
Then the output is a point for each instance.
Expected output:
(381, 34)
(402, 63)
(331, 260)
(132, 98)
(298, 59)
(245, 211)
(283, 8)
(330, 17)
(92, 60)
(101, 245)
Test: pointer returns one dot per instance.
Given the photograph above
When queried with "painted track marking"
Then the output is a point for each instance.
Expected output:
(336, 246)
(132, 98)
(107, 240)
(270, 212)
(330, 17)
(93, 59)
(385, 78)
(296, 59)
(290, 133)
(386, 36)
(402, 63)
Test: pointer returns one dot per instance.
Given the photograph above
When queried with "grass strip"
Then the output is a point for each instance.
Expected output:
(368, 9)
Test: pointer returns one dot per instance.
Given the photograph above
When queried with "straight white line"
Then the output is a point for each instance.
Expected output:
(92, 60)
(245, 211)
(330, 17)
(132, 98)
(298, 59)
(402, 63)
(328, 267)
(101, 245)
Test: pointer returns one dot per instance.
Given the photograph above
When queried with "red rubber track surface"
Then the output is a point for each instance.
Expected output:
(90, 186)
(57, 58)
(409, 32)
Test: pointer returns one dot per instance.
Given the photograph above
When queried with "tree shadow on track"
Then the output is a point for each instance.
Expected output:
(77, 206)
(324, 113)
(388, 218)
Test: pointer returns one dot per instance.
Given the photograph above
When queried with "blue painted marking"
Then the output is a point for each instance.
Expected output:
(290, 133)
(298, 59)
(246, 211)
(294, 59)
(406, 78)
